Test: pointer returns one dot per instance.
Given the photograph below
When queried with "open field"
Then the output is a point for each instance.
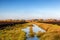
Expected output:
(14, 32)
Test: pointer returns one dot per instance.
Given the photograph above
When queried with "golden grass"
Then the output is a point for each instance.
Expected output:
(13, 32)
(49, 27)
(50, 36)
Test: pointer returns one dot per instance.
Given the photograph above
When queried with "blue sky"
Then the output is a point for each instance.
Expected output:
(28, 9)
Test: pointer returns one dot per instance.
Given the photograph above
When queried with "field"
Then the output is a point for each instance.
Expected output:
(14, 32)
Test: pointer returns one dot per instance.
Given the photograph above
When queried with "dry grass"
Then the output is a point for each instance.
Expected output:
(51, 36)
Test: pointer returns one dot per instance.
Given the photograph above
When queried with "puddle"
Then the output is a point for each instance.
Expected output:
(35, 29)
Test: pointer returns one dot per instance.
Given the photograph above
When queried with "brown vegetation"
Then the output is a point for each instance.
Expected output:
(39, 33)
(31, 33)
(51, 36)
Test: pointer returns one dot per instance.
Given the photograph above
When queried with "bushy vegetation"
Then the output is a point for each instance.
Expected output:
(50, 36)
(31, 33)
(13, 33)
(39, 33)
(52, 31)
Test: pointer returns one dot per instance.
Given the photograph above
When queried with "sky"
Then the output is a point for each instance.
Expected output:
(29, 9)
